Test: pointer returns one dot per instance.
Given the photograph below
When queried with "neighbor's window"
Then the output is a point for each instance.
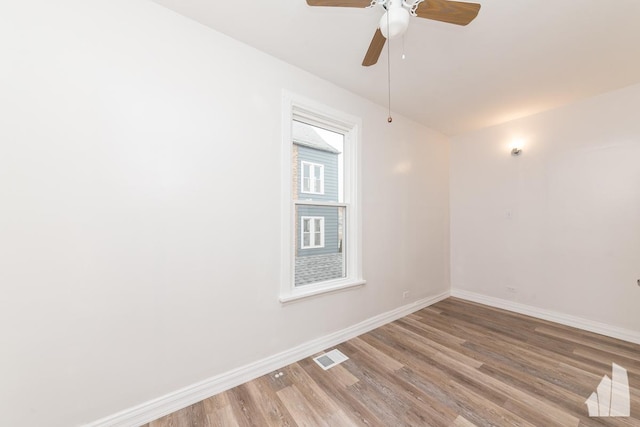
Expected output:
(312, 177)
(312, 232)
(321, 229)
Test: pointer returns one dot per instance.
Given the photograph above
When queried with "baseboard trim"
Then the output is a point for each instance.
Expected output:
(157, 408)
(553, 316)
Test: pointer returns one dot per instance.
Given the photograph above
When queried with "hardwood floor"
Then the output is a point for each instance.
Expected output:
(452, 364)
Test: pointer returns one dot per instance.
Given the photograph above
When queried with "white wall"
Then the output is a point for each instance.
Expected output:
(572, 243)
(139, 217)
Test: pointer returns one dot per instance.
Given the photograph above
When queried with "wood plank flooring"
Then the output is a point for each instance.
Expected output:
(455, 363)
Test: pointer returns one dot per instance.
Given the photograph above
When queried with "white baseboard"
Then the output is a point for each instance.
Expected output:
(164, 405)
(553, 316)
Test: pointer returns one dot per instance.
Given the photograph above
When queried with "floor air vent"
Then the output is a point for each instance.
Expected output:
(330, 359)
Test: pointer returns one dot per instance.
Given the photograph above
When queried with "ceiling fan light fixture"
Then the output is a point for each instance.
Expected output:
(395, 21)
(398, 19)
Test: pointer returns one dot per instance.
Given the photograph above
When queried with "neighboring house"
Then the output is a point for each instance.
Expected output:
(319, 228)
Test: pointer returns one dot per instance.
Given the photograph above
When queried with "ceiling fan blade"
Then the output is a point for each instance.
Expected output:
(340, 3)
(453, 12)
(375, 48)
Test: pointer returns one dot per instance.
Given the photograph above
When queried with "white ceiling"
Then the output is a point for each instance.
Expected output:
(517, 58)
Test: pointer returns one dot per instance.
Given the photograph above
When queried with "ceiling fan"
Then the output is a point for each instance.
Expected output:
(395, 21)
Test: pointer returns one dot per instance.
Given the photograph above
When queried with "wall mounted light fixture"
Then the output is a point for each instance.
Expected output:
(516, 147)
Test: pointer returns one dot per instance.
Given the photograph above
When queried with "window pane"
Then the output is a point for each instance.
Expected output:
(319, 251)
(324, 259)
(318, 155)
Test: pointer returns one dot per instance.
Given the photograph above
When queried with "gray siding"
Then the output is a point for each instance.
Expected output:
(330, 214)
(330, 162)
(331, 239)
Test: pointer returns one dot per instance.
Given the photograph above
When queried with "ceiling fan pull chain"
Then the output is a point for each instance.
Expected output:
(389, 119)
(403, 37)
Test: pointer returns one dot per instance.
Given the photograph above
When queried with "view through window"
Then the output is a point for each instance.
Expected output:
(319, 207)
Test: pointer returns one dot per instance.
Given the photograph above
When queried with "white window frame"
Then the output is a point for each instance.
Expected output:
(296, 107)
(311, 177)
(312, 232)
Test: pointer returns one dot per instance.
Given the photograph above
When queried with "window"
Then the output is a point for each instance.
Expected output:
(312, 178)
(312, 232)
(321, 216)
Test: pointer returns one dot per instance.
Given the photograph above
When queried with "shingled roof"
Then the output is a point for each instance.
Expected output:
(306, 135)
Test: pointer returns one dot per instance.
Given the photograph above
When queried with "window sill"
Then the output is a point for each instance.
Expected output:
(301, 293)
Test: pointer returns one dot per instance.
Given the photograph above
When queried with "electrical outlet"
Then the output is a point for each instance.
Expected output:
(405, 295)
